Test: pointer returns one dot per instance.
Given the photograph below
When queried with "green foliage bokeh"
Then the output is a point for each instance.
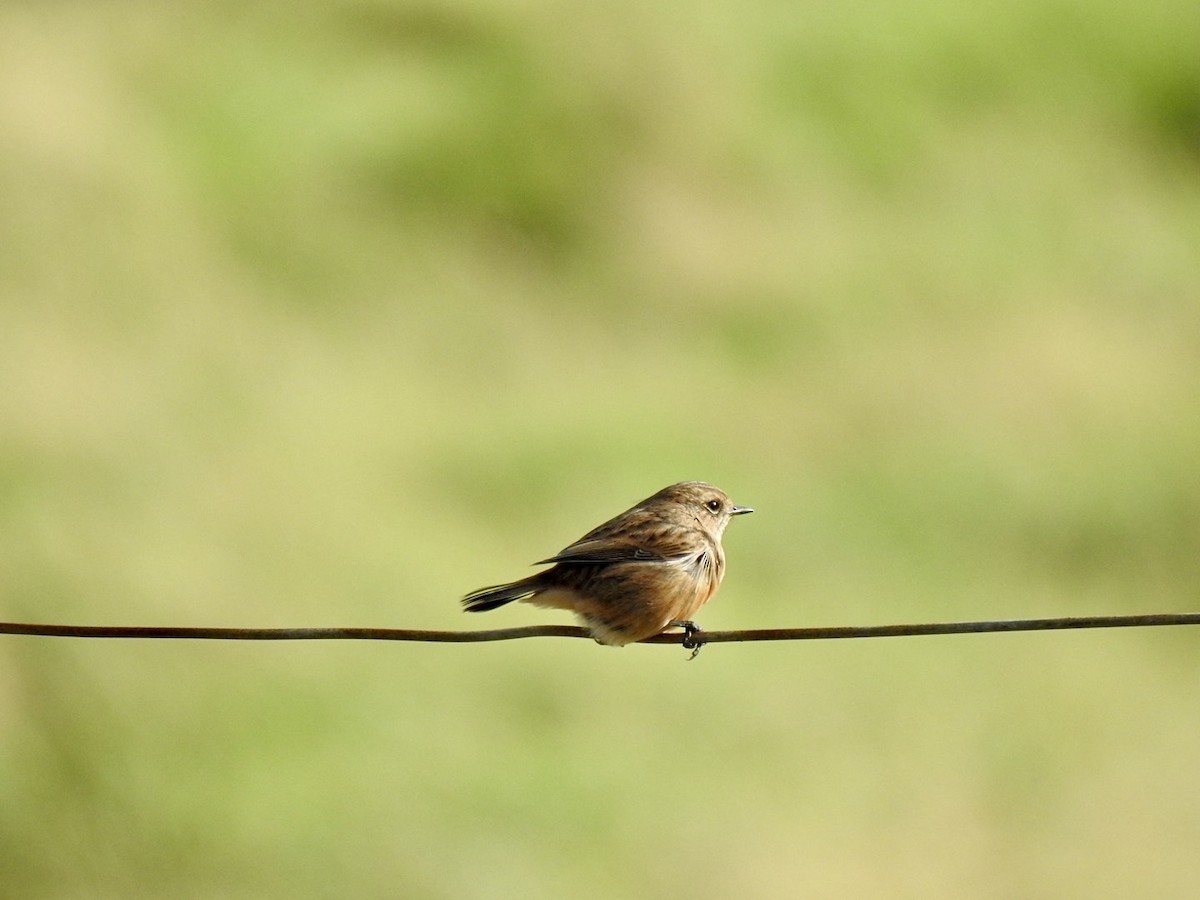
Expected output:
(324, 314)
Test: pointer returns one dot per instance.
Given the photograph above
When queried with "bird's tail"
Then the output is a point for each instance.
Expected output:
(492, 597)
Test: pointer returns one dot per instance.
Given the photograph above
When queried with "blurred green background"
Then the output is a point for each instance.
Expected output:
(327, 313)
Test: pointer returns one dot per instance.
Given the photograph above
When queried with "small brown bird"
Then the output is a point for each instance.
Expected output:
(649, 568)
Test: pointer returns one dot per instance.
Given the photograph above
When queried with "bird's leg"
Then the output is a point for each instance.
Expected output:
(691, 630)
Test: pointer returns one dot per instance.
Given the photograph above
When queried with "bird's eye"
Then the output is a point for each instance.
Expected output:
(714, 505)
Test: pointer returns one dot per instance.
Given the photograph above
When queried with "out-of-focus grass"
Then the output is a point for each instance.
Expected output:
(327, 314)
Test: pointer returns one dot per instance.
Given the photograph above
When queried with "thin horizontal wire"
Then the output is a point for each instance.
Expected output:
(573, 631)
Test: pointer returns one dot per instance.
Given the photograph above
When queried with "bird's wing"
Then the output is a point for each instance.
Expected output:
(662, 544)
(600, 551)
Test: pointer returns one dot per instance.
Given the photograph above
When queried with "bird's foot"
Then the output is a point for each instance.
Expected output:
(692, 635)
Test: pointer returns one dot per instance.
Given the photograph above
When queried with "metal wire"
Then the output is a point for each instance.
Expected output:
(698, 638)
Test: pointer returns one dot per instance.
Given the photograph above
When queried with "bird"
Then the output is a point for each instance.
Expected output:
(646, 570)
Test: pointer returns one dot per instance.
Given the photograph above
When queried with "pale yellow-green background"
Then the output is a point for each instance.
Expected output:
(326, 313)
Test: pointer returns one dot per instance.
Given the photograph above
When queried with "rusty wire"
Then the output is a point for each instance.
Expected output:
(698, 638)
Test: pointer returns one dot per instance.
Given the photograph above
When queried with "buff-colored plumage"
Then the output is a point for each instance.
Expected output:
(649, 568)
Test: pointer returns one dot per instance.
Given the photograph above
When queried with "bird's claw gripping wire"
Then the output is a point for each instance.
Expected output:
(693, 638)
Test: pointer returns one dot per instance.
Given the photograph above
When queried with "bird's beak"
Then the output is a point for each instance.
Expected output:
(740, 510)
